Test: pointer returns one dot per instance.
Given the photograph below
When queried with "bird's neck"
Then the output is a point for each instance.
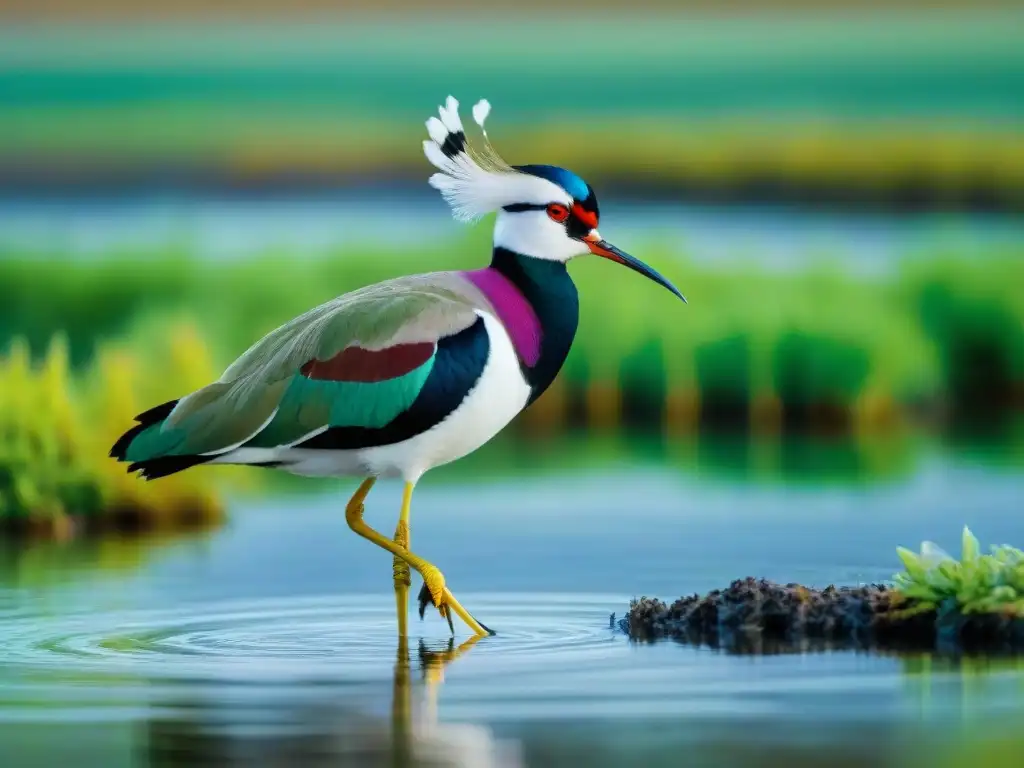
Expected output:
(550, 292)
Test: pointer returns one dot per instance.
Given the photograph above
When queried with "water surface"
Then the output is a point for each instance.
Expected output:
(275, 636)
(226, 227)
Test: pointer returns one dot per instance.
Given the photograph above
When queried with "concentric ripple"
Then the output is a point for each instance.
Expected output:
(348, 637)
(554, 656)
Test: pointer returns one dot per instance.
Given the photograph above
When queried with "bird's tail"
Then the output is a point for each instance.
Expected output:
(148, 448)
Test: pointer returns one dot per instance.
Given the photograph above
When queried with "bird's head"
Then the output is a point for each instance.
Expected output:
(543, 211)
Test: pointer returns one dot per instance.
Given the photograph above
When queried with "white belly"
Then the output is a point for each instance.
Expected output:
(499, 394)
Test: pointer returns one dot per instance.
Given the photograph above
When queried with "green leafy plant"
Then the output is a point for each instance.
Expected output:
(977, 583)
(56, 428)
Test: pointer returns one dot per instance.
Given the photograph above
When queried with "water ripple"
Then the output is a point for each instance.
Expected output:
(313, 637)
(555, 656)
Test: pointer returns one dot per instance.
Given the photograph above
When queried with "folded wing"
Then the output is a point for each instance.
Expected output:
(357, 361)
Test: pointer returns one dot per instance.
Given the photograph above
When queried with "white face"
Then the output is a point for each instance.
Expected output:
(534, 233)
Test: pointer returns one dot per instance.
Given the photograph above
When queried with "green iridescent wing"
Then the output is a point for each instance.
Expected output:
(358, 360)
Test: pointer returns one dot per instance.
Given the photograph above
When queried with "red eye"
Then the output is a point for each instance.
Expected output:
(558, 212)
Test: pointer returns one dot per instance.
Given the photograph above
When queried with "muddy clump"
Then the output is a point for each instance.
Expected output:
(760, 616)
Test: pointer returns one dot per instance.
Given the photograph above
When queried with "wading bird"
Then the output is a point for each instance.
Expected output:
(396, 378)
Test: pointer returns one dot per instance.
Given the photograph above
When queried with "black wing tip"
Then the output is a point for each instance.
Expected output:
(119, 450)
(153, 469)
(145, 419)
(157, 413)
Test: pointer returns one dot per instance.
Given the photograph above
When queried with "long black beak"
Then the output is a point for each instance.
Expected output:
(606, 250)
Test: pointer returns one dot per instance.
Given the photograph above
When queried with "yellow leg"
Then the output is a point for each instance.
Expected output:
(401, 707)
(399, 566)
(433, 579)
(404, 727)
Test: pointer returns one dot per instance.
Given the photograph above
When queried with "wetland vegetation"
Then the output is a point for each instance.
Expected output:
(946, 334)
(820, 351)
(57, 427)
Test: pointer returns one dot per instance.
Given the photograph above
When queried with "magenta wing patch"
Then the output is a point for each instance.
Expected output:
(513, 310)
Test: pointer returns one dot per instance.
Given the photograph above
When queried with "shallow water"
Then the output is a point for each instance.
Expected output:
(274, 637)
(778, 237)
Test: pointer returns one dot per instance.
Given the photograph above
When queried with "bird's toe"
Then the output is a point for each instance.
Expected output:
(427, 598)
(424, 599)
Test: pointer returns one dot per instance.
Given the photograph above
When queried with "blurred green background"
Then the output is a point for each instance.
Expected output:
(838, 189)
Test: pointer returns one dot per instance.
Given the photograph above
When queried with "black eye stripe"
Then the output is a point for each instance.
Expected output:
(520, 207)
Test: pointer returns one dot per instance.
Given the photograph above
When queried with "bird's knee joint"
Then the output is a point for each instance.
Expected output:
(354, 513)
(354, 509)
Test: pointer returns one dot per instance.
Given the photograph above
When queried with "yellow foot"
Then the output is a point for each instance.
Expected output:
(434, 592)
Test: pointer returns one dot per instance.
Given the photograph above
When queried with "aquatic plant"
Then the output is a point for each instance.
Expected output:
(56, 429)
(977, 583)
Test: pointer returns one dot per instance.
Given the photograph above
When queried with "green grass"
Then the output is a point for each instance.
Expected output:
(977, 583)
(949, 332)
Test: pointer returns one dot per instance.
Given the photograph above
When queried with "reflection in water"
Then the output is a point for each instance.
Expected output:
(46, 563)
(979, 679)
(748, 461)
(338, 735)
(271, 641)
(315, 681)
(793, 460)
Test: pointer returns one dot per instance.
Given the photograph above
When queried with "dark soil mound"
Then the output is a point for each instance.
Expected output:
(760, 616)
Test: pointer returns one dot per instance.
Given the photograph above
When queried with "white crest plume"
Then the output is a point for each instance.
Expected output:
(475, 183)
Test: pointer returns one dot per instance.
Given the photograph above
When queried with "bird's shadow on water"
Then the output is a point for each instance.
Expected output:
(332, 732)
